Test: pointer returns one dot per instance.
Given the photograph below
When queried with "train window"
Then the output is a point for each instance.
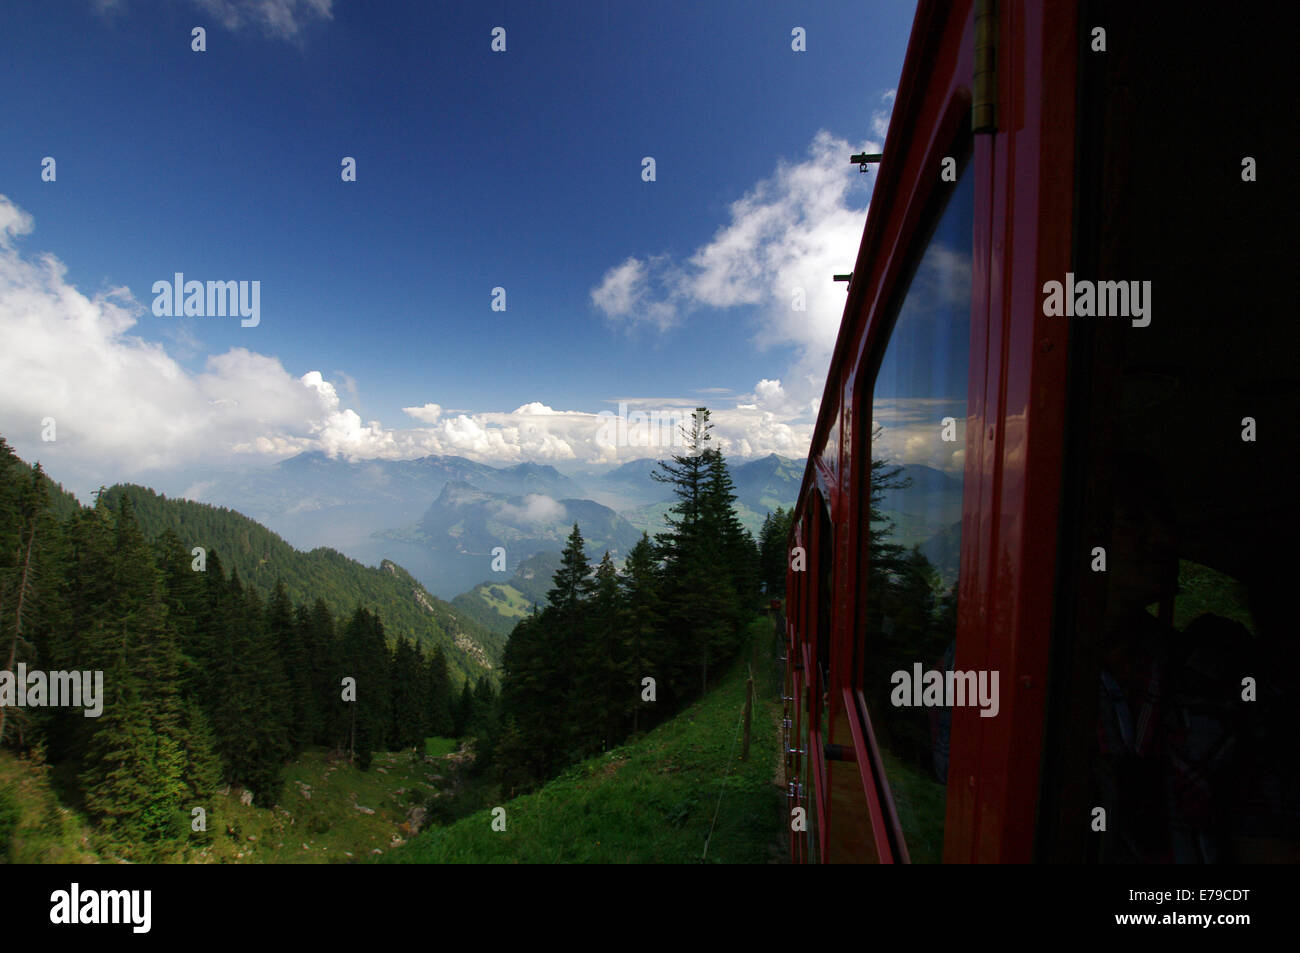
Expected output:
(1172, 709)
(849, 838)
(918, 414)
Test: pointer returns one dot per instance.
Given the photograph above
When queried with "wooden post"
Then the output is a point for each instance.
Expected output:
(749, 711)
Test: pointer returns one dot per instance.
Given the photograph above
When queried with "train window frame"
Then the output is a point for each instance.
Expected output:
(960, 145)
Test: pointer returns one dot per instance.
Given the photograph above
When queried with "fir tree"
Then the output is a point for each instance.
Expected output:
(645, 647)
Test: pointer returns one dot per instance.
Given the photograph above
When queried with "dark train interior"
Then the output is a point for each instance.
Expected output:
(1180, 457)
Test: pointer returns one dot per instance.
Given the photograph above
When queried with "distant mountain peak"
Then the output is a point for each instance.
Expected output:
(459, 493)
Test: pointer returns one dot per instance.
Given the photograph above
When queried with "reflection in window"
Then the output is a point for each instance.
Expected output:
(918, 450)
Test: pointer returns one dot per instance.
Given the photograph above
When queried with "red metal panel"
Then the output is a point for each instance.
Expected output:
(1012, 494)
(925, 123)
(1024, 190)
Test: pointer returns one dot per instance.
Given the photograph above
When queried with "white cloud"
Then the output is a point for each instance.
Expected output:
(124, 402)
(429, 413)
(786, 237)
(536, 509)
(621, 289)
(125, 406)
(13, 222)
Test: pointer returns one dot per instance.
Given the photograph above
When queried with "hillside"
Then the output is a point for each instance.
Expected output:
(328, 812)
(314, 482)
(652, 800)
(472, 521)
(768, 482)
(453, 546)
(61, 503)
(499, 605)
(260, 556)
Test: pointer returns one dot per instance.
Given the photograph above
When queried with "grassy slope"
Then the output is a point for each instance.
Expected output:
(323, 828)
(41, 830)
(526, 588)
(651, 800)
(497, 614)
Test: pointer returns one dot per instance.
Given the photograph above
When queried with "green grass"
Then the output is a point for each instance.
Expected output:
(514, 605)
(317, 818)
(439, 747)
(329, 826)
(651, 800)
(920, 801)
(34, 827)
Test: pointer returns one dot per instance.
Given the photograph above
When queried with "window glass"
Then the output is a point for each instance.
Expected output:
(918, 442)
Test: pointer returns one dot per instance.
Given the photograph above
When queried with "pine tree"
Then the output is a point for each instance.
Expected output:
(120, 781)
(297, 707)
(699, 591)
(602, 676)
(533, 705)
(565, 625)
(572, 581)
(440, 722)
(686, 474)
(18, 578)
(774, 542)
(365, 658)
(202, 766)
(321, 644)
(482, 723)
(646, 649)
(464, 710)
(407, 729)
(265, 691)
(734, 544)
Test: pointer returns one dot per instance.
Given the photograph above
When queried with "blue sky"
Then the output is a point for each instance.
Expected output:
(475, 169)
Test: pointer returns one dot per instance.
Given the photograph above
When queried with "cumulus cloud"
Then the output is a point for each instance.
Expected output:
(910, 431)
(123, 401)
(784, 239)
(429, 413)
(125, 405)
(621, 290)
(536, 509)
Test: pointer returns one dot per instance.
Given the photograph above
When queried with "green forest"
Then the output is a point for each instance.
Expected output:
(262, 559)
(207, 680)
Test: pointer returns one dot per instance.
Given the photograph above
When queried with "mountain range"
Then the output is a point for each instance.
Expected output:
(441, 516)
(261, 557)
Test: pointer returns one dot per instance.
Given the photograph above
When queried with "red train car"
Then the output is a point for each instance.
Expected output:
(1037, 601)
